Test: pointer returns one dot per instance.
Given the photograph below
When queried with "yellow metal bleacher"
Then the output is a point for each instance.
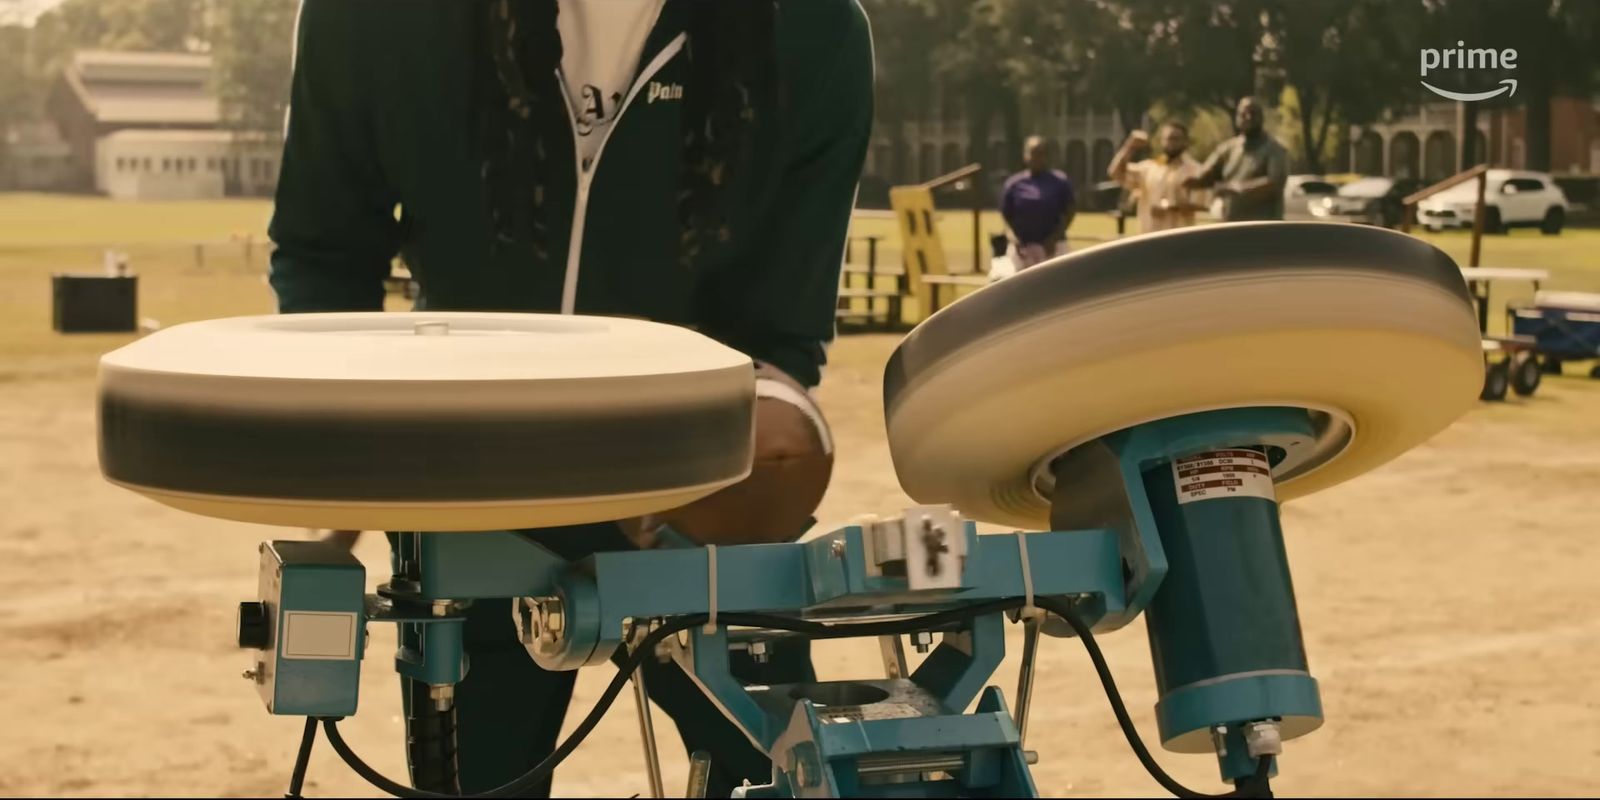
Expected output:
(897, 297)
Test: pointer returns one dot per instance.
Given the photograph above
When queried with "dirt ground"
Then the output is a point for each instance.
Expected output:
(1449, 601)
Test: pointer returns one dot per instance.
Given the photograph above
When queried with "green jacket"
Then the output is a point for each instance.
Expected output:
(382, 117)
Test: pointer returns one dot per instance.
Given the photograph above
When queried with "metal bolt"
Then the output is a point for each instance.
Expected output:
(664, 649)
(552, 618)
(1263, 738)
(922, 640)
(1219, 740)
(837, 548)
(758, 652)
(252, 675)
(543, 619)
(441, 607)
(1031, 757)
(524, 617)
(443, 694)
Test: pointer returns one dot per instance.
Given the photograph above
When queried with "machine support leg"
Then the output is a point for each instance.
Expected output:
(647, 730)
(1030, 649)
(699, 774)
(894, 657)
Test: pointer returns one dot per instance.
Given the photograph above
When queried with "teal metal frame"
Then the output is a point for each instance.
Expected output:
(1114, 561)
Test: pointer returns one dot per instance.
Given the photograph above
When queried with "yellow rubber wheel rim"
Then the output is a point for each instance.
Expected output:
(1371, 329)
(425, 421)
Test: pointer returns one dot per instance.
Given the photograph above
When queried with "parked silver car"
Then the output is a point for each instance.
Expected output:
(1369, 201)
(1301, 193)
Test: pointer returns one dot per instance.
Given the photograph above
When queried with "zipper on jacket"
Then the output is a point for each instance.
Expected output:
(569, 289)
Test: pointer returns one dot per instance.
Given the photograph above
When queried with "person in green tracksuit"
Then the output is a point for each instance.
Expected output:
(692, 162)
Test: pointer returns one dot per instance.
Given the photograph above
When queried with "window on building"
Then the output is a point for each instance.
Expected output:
(147, 165)
(192, 165)
(166, 165)
(211, 165)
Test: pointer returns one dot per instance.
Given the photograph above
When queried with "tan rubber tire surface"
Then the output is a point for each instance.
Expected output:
(367, 422)
(1369, 325)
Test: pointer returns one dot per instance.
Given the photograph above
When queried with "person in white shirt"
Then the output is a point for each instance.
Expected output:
(1158, 182)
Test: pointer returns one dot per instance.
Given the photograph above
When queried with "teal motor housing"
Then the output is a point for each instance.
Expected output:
(307, 632)
(1224, 630)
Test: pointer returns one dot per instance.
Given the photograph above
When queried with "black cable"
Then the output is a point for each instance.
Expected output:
(646, 648)
(430, 741)
(302, 760)
(816, 630)
(1259, 784)
(1063, 609)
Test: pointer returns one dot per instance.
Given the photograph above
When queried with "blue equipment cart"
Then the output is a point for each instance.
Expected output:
(1565, 326)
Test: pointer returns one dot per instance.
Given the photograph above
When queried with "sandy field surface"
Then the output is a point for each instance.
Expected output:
(1449, 600)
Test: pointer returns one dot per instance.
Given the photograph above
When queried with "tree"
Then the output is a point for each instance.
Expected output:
(150, 25)
(905, 35)
(925, 46)
(253, 47)
(1104, 54)
(1219, 50)
(162, 25)
(1555, 40)
(1132, 55)
(1345, 62)
(16, 101)
(973, 63)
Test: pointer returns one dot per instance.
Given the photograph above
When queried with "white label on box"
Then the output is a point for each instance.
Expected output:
(319, 635)
(1223, 473)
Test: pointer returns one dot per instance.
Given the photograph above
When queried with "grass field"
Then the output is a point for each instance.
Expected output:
(42, 234)
(1448, 598)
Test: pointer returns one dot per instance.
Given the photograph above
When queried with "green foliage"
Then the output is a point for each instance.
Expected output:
(1344, 63)
(253, 45)
(1336, 63)
(16, 92)
(165, 25)
(251, 42)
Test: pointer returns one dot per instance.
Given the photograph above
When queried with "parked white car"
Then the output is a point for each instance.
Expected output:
(1300, 192)
(1511, 198)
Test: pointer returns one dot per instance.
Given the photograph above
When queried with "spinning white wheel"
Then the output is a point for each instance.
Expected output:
(425, 421)
(1372, 330)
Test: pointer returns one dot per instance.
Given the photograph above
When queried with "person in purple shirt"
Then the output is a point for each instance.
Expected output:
(1037, 204)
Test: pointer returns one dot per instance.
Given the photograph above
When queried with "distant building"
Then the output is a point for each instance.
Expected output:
(1080, 143)
(182, 165)
(148, 126)
(1423, 143)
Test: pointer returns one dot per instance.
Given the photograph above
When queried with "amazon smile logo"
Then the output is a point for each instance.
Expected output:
(1463, 58)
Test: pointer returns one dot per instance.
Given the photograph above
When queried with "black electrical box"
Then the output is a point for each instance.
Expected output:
(96, 303)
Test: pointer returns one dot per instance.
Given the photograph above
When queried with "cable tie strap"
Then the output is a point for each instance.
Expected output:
(1029, 610)
(711, 589)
